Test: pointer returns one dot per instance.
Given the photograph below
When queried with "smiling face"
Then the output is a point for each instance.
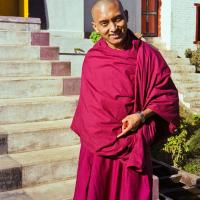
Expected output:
(110, 21)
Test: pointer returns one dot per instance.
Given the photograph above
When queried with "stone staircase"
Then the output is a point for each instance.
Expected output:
(183, 75)
(38, 151)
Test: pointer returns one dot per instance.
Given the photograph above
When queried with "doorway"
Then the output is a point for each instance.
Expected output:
(38, 9)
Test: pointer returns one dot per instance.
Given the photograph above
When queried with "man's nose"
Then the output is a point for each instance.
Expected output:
(113, 26)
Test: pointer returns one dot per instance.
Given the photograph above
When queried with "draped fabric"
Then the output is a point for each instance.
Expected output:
(114, 84)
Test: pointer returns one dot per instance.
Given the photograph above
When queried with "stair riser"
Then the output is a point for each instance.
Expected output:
(11, 114)
(28, 53)
(71, 86)
(19, 53)
(186, 69)
(189, 90)
(34, 69)
(189, 96)
(27, 176)
(57, 191)
(195, 105)
(49, 172)
(30, 88)
(10, 179)
(186, 80)
(30, 141)
(24, 69)
(3, 144)
(173, 61)
(19, 26)
(24, 38)
(15, 38)
(40, 38)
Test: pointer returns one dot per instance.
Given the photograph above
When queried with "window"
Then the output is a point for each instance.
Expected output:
(197, 37)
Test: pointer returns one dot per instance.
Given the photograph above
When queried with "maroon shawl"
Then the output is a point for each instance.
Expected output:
(116, 83)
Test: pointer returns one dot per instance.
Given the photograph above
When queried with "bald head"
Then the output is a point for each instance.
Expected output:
(98, 4)
(110, 21)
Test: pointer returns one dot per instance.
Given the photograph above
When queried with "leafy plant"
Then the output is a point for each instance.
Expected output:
(95, 37)
(188, 53)
(193, 166)
(184, 146)
(177, 145)
(194, 143)
(194, 56)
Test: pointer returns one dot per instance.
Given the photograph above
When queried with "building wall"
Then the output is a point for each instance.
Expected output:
(66, 17)
(166, 19)
(178, 24)
(183, 25)
(133, 7)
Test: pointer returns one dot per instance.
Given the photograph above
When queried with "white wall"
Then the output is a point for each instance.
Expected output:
(166, 19)
(66, 17)
(133, 7)
(178, 21)
(183, 25)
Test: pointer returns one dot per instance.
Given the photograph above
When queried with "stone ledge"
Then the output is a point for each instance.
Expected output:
(22, 20)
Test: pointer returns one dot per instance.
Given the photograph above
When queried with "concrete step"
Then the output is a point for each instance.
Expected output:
(190, 98)
(15, 38)
(176, 60)
(182, 68)
(16, 52)
(188, 87)
(25, 87)
(36, 135)
(185, 77)
(38, 167)
(187, 97)
(19, 23)
(24, 38)
(61, 190)
(168, 53)
(26, 110)
(34, 68)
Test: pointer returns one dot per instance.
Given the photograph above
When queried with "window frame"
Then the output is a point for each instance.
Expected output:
(197, 32)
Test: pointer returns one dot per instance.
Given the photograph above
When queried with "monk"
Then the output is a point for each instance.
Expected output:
(127, 100)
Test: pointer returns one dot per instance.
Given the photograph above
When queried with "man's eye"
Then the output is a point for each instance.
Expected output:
(118, 19)
(104, 23)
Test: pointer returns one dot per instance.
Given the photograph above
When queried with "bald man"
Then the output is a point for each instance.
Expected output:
(127, 97)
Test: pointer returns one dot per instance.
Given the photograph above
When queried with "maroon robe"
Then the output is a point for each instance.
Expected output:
(114, 84)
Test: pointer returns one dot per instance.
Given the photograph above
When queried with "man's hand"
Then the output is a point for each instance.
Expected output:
(130, 123)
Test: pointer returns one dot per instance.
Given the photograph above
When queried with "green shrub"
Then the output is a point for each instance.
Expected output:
(182, 147)
(194, 143)
(177, 145)
(193, 166)
(195, 56)
(188, 53)
(95, 37)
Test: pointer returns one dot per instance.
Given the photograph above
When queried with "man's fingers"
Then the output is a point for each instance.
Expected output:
(124, 131)
(121, 134)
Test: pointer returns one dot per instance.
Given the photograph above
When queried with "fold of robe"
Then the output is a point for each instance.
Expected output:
(117, 83)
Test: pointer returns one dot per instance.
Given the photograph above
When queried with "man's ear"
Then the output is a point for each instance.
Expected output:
(95, 27)
(126, 14)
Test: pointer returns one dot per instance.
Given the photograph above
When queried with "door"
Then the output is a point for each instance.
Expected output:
(150, 18)
(17, 8)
